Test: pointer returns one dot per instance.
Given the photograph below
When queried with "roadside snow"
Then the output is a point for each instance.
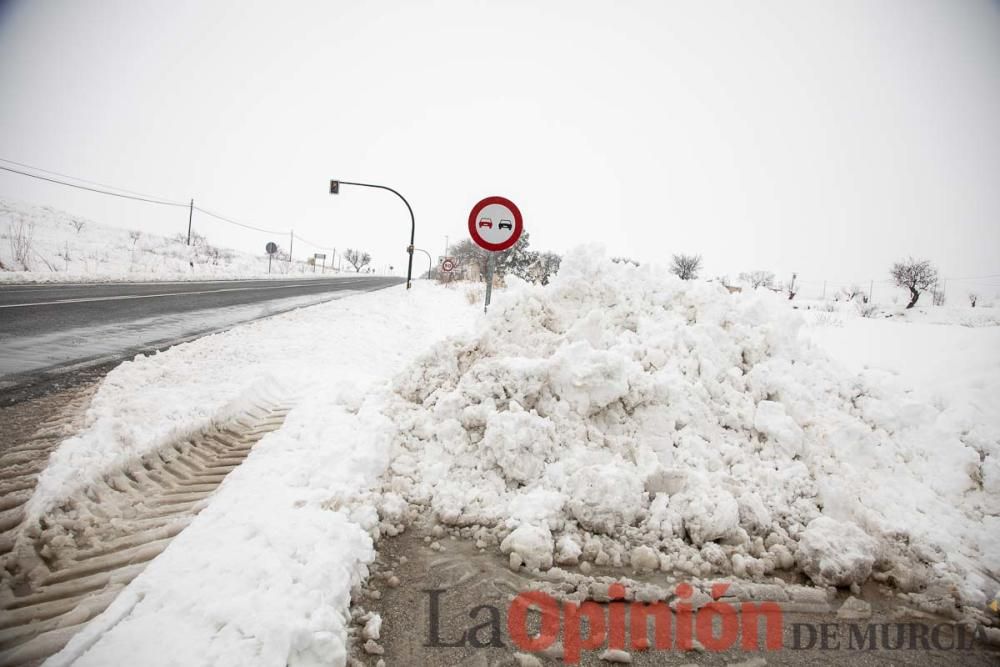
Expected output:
(59, 252)
(263, 575)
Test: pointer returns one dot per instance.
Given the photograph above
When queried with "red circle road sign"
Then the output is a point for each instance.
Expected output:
(447, 266)
(495, 224)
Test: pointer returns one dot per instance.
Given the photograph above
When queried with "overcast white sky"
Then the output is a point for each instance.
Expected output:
(824, 137)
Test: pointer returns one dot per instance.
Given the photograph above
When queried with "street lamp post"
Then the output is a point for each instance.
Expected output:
(335, 189)
(430, 262)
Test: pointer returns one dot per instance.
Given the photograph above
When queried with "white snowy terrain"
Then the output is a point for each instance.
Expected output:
(616, 416)
(63, 247)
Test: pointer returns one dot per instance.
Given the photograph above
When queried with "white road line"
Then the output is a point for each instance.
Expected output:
(148, 296)
(15, 288)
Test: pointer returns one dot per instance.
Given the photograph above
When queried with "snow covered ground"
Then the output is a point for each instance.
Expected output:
(67, 248)
(617, 416)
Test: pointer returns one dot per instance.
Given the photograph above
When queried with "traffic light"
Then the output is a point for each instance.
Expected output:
(334, 187)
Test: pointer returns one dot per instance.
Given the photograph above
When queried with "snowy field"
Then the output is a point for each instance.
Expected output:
(62, 247)
(618, 416)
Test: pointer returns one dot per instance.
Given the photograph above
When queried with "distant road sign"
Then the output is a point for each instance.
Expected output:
(271, 248)
(448, 265)
(495, 224)
(320, 255)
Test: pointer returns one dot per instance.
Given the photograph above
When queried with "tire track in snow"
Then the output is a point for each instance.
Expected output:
(67, 568)
(22, 461)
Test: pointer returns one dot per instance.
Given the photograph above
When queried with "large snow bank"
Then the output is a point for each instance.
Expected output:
(621, 407)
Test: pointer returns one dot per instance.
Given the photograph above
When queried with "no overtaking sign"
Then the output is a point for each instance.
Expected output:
(495, 225)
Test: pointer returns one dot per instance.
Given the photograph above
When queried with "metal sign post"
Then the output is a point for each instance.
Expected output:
(495, 225)
(271, 248)
(490, 267)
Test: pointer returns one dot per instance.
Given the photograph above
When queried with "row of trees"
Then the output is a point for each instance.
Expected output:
(518, 260)
(915, 275)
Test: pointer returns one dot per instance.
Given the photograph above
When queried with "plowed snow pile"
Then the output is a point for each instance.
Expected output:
(623, 416)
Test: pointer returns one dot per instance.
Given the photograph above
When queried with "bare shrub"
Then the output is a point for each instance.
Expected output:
(866, 309)
(758, 278)
(21, 237)
(47, 263)
(78, 225)
(851, 293)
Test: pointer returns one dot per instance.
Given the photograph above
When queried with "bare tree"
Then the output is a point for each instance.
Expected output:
(357, 258)
(22, 241)
(686, 267)
(758, 279)
(78, 225)
(973, 297)
(918, 276)
(625, 260)
(791, 288)
(517, 260)
(134, 235)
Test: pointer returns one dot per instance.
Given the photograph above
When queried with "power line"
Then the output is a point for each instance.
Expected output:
(995, 275)
(315, 245)
(137, 197)
(103, 192)
(84, 180)
(234, 222)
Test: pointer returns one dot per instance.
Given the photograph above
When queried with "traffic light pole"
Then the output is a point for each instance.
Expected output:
(335, 188)
(430, 261)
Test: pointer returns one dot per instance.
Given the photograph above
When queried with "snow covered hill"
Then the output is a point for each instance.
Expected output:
(43, 244)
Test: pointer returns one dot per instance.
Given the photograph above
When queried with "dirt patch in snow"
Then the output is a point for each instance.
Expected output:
(392, 613)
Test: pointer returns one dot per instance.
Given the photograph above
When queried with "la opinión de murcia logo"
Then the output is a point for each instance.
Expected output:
(535, 621)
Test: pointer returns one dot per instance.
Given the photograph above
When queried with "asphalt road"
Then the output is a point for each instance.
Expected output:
(48, 330)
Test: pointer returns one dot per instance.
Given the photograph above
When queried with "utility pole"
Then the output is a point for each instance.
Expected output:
(824, 291)
(291, 245)
(871, 287)
(446, 246)
(190, 215)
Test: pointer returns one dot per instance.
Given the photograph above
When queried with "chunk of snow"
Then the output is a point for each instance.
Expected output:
(835, 553)
(532, 543)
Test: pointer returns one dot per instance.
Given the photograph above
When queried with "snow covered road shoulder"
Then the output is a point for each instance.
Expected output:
(263, 574)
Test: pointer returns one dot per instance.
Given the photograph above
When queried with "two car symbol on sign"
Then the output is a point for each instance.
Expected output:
(487, 222)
